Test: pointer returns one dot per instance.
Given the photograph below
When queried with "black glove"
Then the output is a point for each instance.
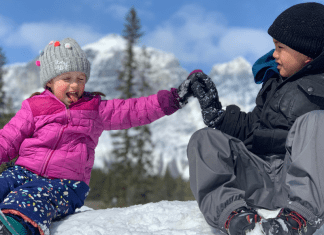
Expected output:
(184, 91)
(205, 90)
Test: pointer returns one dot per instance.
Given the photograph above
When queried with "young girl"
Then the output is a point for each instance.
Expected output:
(55, 135)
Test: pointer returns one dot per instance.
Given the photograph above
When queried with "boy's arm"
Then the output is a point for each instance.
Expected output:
(240, 124)
(237, 123)
(230, 121)
(21, 126)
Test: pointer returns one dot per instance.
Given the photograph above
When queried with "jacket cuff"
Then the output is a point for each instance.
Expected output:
(196, 71)
(230, 118)
(169, 101)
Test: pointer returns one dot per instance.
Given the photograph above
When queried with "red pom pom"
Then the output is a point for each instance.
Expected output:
(38, 63)
(56, 44)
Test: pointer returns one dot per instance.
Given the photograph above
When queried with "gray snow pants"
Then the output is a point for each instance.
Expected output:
(224, 175)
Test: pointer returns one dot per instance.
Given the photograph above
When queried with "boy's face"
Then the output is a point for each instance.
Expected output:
(289, 61)
(68, 87)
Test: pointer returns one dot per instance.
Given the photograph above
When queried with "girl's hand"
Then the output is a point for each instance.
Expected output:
(184, 91)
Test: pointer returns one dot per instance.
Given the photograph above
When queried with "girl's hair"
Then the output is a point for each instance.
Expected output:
(35, 93)
(92, 93)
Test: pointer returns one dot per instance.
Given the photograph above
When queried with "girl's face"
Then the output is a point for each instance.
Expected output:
(68, 87)
(289, 61)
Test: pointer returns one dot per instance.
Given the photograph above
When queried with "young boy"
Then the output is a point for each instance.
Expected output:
(272, 157)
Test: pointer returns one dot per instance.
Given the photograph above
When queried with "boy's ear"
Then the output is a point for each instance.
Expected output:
(308, 60)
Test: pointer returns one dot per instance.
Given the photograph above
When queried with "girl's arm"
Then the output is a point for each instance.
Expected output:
(118, 114)
(121, 114)
(21, 126)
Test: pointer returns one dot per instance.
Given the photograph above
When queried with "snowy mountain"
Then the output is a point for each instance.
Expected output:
(235, 83)
(161, 218)
(170, 134)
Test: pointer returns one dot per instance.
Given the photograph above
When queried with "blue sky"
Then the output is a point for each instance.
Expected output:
(199, 33)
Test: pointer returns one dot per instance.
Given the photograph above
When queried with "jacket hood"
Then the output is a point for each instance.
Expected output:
(265, 67)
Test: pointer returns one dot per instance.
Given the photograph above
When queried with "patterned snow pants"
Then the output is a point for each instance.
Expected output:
(39, 200)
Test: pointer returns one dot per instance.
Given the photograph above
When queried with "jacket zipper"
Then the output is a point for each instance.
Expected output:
(59, 139)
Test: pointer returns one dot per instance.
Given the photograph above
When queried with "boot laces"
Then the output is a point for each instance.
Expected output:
(230, 217)
(299, 219)
(234, 213)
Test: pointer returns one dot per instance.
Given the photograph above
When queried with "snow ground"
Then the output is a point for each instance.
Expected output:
(161, 218)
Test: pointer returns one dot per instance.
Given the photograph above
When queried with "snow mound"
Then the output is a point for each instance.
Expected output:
(161, 218)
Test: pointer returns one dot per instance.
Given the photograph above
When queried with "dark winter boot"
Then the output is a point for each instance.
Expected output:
(288, 223)
(4, 230)
(241, 221)
(9, 226)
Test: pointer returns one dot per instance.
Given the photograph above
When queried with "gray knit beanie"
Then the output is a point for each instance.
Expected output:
(60, 57)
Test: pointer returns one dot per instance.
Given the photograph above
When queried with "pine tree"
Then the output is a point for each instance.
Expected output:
(6, 112)
(142, 151)
(98, 178)
(132, 147)
(2, 93)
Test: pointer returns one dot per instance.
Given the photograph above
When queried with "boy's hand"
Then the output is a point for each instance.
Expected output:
(205, 90)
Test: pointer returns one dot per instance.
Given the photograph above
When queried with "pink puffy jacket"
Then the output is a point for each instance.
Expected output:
(58, 142)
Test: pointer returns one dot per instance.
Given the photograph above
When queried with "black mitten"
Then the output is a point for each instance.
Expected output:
(184, 91)
(212, 117)
(205, 90)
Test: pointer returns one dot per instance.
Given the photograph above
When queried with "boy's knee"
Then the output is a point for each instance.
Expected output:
(311, 117)
(200, 134)
(194, 141)
(206, 138)
(316, 113)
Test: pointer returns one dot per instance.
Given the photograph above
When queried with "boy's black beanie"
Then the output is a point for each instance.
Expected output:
(301, 27)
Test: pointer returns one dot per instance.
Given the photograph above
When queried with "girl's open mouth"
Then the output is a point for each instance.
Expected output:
(73, 96)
